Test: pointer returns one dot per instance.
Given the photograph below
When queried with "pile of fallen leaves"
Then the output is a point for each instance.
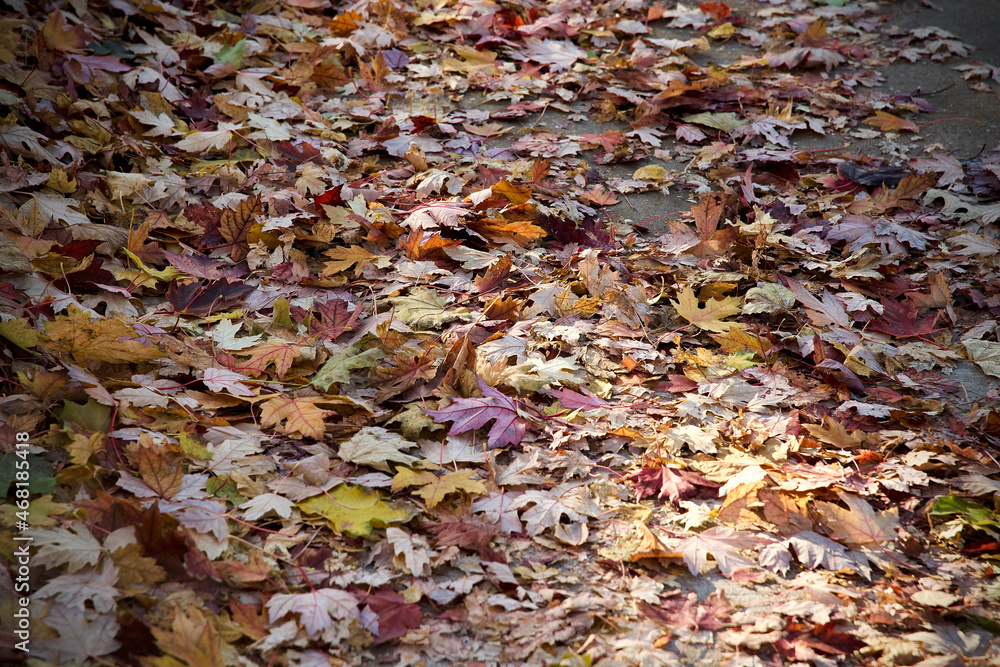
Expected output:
(327, 358)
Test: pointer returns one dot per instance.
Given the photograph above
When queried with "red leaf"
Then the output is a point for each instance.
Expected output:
(668, 482)
(468, 414)
(712, 614)
(899, 319)
(395, 616)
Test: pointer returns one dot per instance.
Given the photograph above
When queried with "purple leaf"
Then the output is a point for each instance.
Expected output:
(572, 400)
(395, 59)
(468, 414)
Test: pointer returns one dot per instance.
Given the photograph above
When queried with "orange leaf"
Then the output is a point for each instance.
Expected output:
(889, 123)
(431, 249)
(278, 352)
(520, 232)
(513, 193)
(295, 415)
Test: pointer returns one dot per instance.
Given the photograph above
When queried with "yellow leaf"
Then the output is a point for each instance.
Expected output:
(720, 31)
(520, 232)
(20, 333)
(709, 317)
(737, 340)
(61, 182)
(651, 172)
(513, 193)
(166, 275)
(344, 258)
(298, 415)
(433, 489)
(134, 569)
(104, 339)
(355, 510)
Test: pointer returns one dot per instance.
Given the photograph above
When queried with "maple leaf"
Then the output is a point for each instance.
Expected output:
(889, 123)
(337, 369)
(722, 543)
(433, 489)
(105, 339)
(709, 317)
(88, 586)
(549, 507)
(469, 414)
(814, 551)
(345, 258)
(220, 379)
(297, 415)
(425, 309)
(280, 353)
(192, 638)
(374, 446)
(317, 609)
(520, 232)
(75, 548)
(662, 482)
(260, 505)
(899, 319)
(821, 313)
(985, 354)
(495, 277)
(712, 614)
(81, 635)
(858, 525)
(199, 298)
(355, 510)
(572, 400)
(395, 616)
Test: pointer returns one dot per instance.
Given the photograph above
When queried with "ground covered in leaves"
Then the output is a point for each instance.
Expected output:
(330, 346)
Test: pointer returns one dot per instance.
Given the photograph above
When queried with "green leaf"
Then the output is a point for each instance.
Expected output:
(232, 54)
(282, 315)
(225, 487)
(90, 415)
(41, 480)
(355, 510)
(725, 121)
(194, 447)
(338, 369)
(972, 513)
(424, 309)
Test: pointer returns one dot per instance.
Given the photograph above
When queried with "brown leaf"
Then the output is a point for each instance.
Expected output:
(858, 525)
(158, 465)
(495, 276)
(235, 225)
